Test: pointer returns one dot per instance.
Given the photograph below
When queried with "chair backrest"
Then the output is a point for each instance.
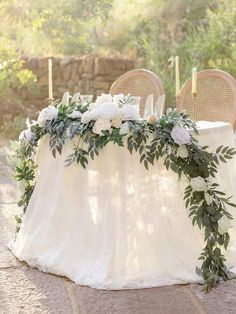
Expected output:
(215, 100)
(138, 82)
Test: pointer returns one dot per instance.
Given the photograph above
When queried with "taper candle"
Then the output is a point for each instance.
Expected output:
(177, 82)
(50, 93)
(194, 82)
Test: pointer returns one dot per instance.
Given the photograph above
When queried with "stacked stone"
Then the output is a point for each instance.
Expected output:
(88, 74)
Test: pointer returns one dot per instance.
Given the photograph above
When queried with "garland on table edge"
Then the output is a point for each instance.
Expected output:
(167, 138)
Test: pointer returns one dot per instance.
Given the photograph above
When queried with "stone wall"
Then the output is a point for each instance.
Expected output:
(88, 75)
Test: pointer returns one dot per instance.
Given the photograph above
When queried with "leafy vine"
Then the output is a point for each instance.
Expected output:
(207, 204)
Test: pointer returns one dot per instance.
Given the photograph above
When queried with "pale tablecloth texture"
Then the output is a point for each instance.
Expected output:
(116, 225)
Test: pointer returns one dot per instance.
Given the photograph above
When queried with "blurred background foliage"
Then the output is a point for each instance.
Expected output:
(202, 33)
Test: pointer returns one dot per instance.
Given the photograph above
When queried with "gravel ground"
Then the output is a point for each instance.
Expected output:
(27, 290)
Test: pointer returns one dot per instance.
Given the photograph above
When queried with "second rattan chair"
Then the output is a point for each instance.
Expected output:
(139, 82)
(216, 97)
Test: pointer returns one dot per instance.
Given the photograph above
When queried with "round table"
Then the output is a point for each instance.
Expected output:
(115, 225)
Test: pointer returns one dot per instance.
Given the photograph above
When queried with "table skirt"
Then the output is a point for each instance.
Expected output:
(115, 225)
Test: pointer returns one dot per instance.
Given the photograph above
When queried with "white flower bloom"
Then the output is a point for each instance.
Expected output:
(103, 99)
(75, 114)
(47, 114)
(208, 198)
(108, 111)
(182, 151)
(101, 125)
(118, 98)
(86, 117)
(198, 184)
(116, 122)
(224, 223)
(180, 135)
(124, 129)
(131, 112)
(26, 136)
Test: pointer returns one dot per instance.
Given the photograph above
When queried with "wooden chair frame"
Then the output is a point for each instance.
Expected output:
(218, 103)
(138, 82)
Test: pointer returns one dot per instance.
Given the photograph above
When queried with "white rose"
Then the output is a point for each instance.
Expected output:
(26, 136)
(101, 125)
(131, 112)
(86, 117)
(116, 122)
(198, 184)
(182, 151)
(47, 114)
(103, 98)
(75, 114)
(224, 223)
(106, 110)
(180, 135)
(124, 129)
(208, 198)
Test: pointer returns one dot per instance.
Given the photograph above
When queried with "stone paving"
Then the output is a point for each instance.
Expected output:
(25, 290)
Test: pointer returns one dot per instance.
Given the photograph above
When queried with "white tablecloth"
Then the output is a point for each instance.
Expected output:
(116, 225)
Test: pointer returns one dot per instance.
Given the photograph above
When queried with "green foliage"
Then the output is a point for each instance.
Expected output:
(217, 39)
(12, 73)
(61, 27)
(151, 142)
(201, 32)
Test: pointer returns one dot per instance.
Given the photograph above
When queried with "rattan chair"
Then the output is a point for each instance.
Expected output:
(215, 100)
(138, 82)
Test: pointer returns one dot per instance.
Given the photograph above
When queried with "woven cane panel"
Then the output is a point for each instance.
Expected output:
(138, 85)
(214, 102)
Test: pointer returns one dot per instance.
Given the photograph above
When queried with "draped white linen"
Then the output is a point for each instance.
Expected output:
(115, 225)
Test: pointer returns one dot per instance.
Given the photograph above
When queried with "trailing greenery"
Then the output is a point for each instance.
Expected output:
(207, 204)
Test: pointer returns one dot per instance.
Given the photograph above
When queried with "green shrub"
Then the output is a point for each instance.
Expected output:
(12, 73)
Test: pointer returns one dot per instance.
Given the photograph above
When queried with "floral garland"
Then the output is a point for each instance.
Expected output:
(116, 119)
